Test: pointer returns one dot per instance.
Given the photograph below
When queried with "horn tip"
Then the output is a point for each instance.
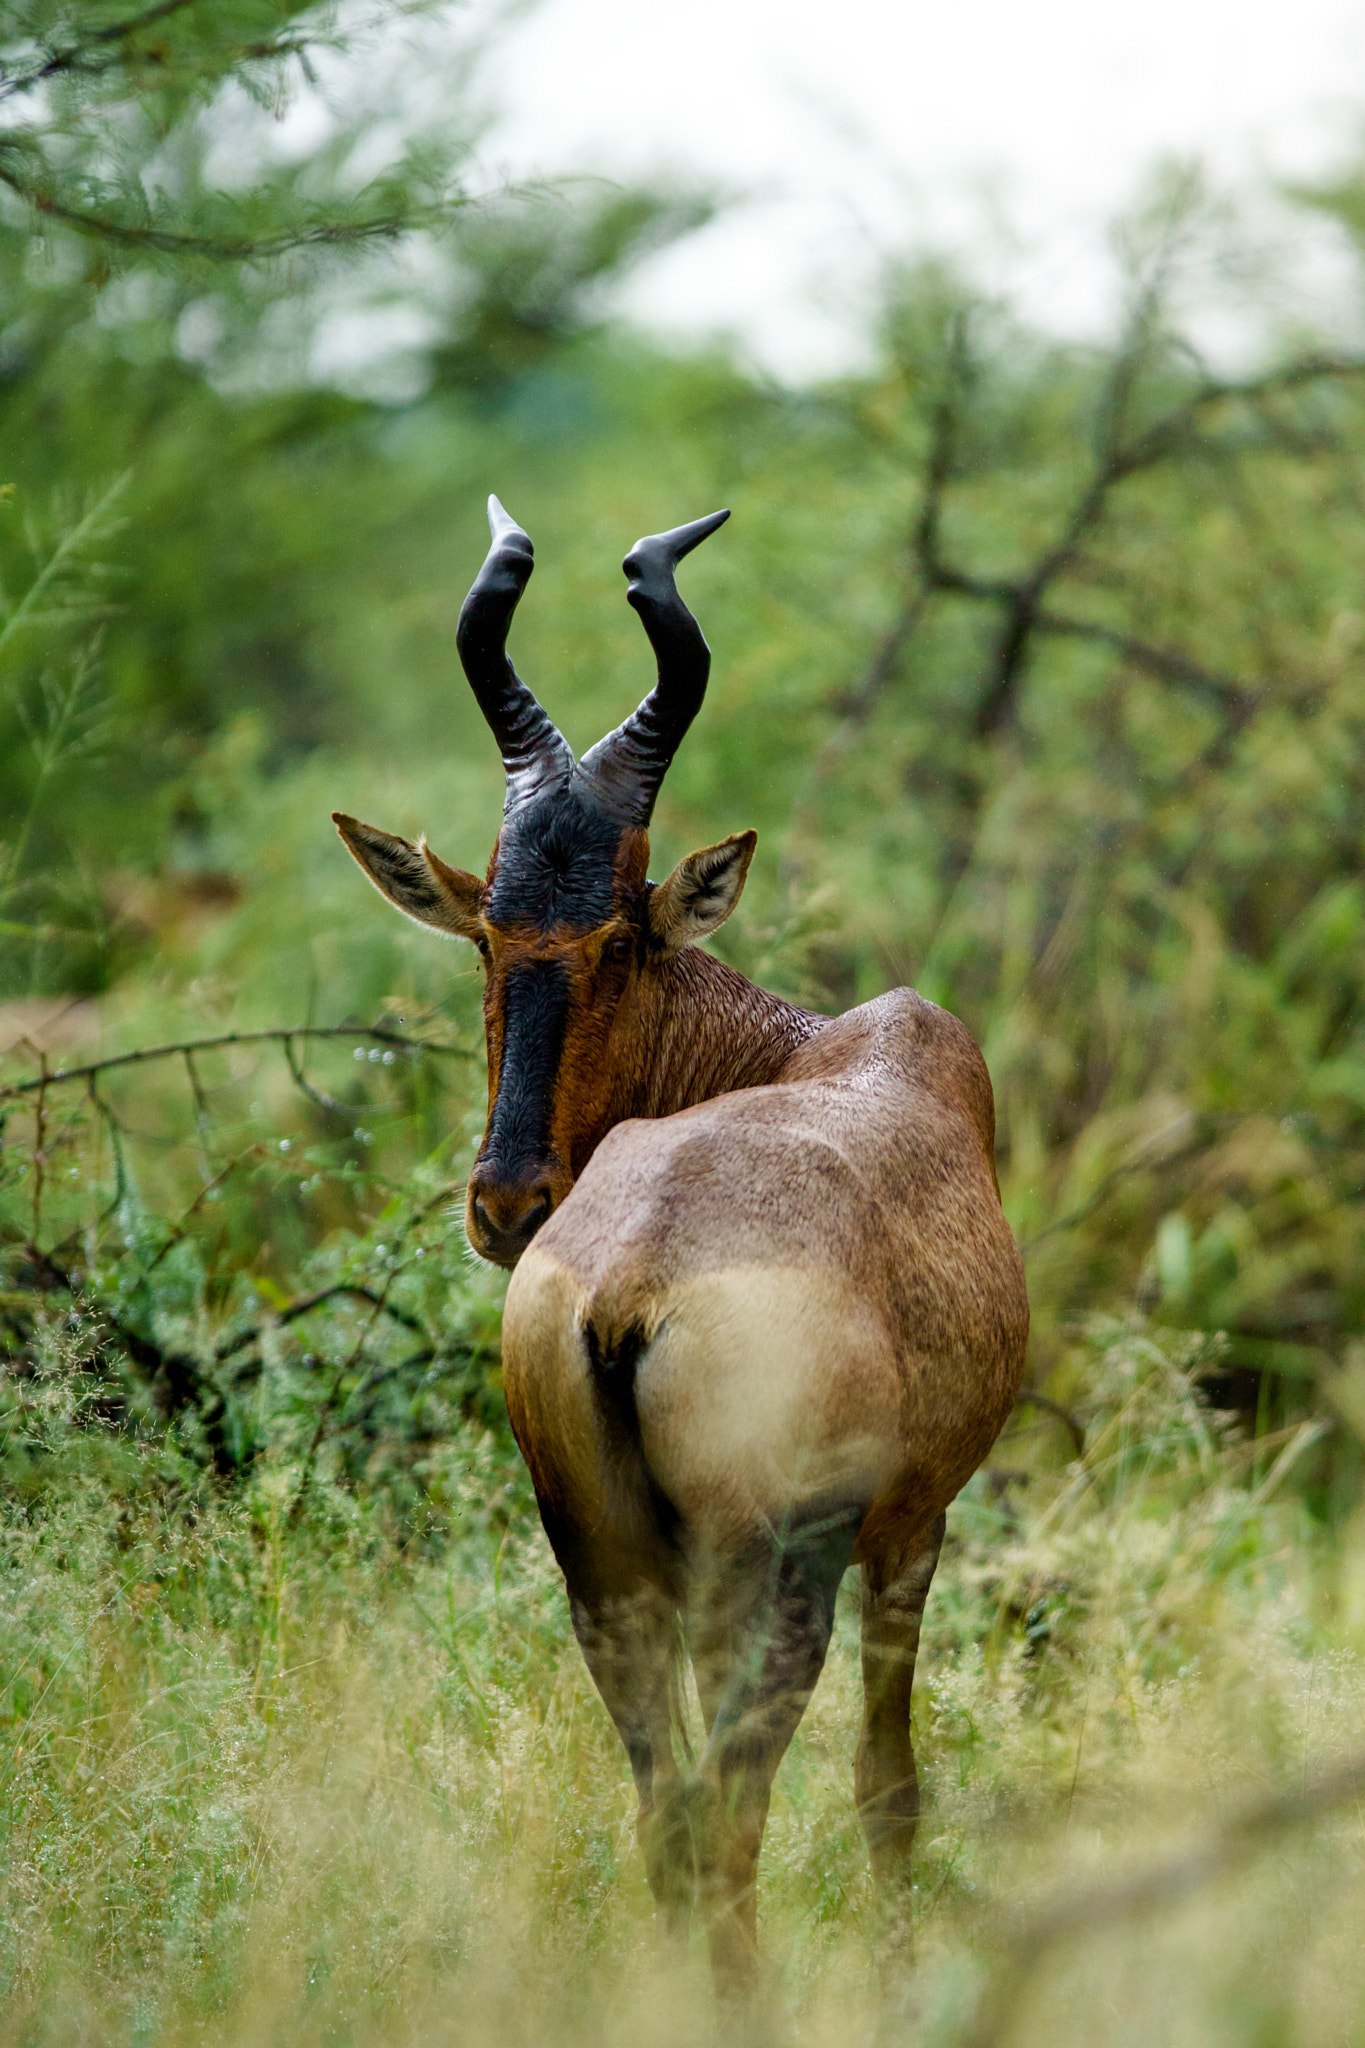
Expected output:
(504, 529)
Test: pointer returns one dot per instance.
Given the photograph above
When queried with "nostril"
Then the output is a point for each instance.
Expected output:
(517, 1215)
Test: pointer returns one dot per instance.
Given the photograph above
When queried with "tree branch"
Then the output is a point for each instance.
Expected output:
(1156, 442)
(305, 1306)
(1021, 599)
(1168, 663)
(220, 248)
(923, 548)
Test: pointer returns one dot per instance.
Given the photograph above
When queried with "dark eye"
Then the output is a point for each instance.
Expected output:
(481, 942)
(620, 948)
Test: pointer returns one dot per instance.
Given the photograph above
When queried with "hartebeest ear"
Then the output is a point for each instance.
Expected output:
(414, 878)
(700, 893)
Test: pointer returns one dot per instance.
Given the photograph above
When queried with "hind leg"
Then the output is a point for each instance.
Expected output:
(886, 1786)
(712, 1640)
(772, 1612)
(631, 1643)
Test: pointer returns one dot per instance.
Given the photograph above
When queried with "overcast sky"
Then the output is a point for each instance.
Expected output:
(1012, 132)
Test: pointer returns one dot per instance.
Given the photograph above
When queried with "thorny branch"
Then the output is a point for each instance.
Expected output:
(379, 1034)
(379, 1306)
(181, 1382)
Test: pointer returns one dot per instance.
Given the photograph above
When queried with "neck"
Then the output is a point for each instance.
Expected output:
(703, 1030)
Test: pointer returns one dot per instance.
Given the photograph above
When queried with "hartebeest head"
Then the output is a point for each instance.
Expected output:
(566, 922)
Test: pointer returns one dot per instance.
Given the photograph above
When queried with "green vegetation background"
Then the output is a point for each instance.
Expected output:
(1040, 669)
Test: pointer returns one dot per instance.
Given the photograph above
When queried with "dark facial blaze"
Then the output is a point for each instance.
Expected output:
(562, 923)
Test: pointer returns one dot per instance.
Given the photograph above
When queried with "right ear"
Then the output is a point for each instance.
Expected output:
(414, 878)
(700, 893)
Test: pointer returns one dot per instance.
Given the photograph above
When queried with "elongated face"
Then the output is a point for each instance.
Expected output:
(569, 931)
(564, 939)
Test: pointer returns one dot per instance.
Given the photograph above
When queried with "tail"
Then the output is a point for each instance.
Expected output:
(613, 1360)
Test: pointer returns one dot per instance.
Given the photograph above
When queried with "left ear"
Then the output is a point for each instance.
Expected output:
(700, 893)
(416, 880)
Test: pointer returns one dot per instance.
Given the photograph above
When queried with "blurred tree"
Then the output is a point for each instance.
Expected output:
(141, 206)
(532, 278)
(104, 114)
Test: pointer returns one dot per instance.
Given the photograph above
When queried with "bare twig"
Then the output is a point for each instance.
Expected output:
(380, 1304)
(178, 1229)
(328, 1407)
(306, 1087)
(202, 1117)
(379, 1034)
(39, 1148)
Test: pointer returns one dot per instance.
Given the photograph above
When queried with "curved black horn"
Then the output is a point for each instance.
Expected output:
(534, 751)
(626, 768)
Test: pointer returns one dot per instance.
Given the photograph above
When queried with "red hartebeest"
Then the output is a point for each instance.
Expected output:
(766, 1317)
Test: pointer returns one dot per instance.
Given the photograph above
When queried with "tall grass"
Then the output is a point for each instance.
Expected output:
(333, 1777)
